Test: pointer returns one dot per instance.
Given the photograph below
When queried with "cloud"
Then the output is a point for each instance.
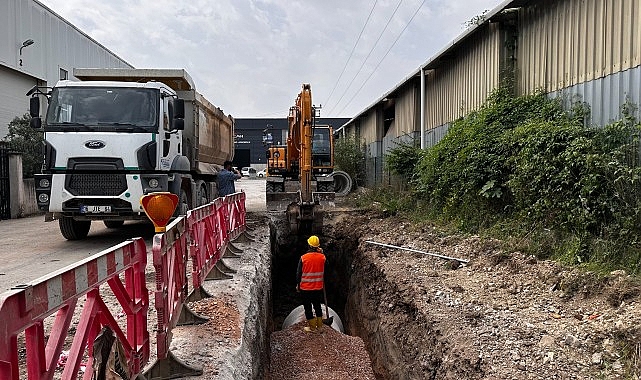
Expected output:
(250, 57)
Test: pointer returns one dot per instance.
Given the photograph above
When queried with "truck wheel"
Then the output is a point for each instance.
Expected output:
(183, 203)
(114, 223)
(202, 197)
(74, 229)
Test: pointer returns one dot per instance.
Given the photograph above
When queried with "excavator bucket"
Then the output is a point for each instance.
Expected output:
(277, 199)
(303, 217)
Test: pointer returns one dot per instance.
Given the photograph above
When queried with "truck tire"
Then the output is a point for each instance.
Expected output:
(74, 229)
(201, 196)
(113, 223)
(183, 203)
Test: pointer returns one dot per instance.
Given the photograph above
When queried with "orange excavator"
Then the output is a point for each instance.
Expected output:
(307, 160)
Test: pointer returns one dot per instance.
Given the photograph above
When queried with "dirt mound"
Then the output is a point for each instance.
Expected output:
(504, 315)
(324, 355)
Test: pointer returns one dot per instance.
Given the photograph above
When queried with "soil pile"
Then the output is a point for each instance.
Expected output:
(323, 355)
(504, 315)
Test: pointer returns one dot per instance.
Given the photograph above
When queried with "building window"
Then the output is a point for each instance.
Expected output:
(63, 74)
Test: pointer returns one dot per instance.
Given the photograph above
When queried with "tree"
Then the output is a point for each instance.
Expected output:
(28, 141)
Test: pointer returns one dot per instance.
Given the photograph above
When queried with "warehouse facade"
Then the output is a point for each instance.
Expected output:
(586, 51)
(38, 47)
(254, 136)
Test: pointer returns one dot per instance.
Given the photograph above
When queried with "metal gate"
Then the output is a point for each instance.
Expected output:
(5, 204)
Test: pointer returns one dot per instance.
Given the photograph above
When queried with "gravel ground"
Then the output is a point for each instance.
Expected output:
(324, 355)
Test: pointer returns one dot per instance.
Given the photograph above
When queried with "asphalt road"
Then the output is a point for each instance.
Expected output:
(31, 248)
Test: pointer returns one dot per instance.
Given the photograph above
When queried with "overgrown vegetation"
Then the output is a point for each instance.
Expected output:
(28, 141)
(526, 170)
(349, 156)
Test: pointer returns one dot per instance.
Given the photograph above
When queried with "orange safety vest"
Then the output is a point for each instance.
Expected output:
(313, 267)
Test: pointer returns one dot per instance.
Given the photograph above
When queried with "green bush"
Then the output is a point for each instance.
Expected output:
(402, 159)
(465, 175)
(523, 168)
(349, 156)
(28, 141)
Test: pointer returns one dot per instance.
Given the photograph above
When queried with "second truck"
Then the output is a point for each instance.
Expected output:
(118, 134)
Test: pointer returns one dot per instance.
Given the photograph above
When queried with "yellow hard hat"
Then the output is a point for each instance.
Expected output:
(313, 241)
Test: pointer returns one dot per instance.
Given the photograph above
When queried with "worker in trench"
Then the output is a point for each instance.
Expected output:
(309, 283)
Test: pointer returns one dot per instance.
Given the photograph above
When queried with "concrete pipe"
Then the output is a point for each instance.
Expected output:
(342, 183)
(298, 315)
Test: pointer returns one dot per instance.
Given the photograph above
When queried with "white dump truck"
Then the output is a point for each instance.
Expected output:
(118, 134)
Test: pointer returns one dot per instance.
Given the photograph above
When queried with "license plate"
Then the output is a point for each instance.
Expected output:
(94, 209)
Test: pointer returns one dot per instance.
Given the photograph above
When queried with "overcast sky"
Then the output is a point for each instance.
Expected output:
(250, 57)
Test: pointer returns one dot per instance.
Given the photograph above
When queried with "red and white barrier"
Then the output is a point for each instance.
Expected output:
(24, 309)
(170, 259)
(207, 238)
(236, 214)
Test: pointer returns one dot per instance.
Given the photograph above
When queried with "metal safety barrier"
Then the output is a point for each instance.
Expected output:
(25, 308)
(236, 214)
(170, 262)
(207, 243)
(204, 236)
(206, 231)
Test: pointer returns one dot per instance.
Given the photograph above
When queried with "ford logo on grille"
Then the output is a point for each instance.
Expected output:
(95, 144)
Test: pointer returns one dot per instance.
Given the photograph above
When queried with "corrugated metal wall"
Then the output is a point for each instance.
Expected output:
(406, 111)
(605, 96)
(369, 130)
(564, 43)
(454, 89)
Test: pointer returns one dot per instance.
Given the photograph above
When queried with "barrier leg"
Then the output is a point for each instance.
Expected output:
(188, 317)
(244, 237)
(170, 368)
(224, 268)
(229, 254)
(217, 273)
(198, 294)
(234, 249)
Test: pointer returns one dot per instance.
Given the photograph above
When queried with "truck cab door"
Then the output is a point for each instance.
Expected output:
(169, 139)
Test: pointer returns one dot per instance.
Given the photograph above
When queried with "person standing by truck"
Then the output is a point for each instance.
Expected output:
(226, 179)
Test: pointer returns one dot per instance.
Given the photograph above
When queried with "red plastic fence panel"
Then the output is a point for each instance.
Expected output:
(24, 309)
(170, 259)
(207, 239)
(236, 211)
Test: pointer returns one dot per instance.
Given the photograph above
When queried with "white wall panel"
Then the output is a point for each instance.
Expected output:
(57, 44)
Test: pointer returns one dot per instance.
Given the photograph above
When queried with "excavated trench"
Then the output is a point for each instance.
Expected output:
(349, 284)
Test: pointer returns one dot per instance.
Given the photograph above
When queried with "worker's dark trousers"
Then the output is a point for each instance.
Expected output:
(311, 298)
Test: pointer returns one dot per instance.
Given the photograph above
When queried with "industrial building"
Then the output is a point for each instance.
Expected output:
(38, 47)
(585, 51)
(254, 136)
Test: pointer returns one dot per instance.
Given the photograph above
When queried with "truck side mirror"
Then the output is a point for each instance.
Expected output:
(34, 106)
(178, 124)
(35, 122)
(179, 109)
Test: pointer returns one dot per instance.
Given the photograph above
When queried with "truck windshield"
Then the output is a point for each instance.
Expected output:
(100, 108)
